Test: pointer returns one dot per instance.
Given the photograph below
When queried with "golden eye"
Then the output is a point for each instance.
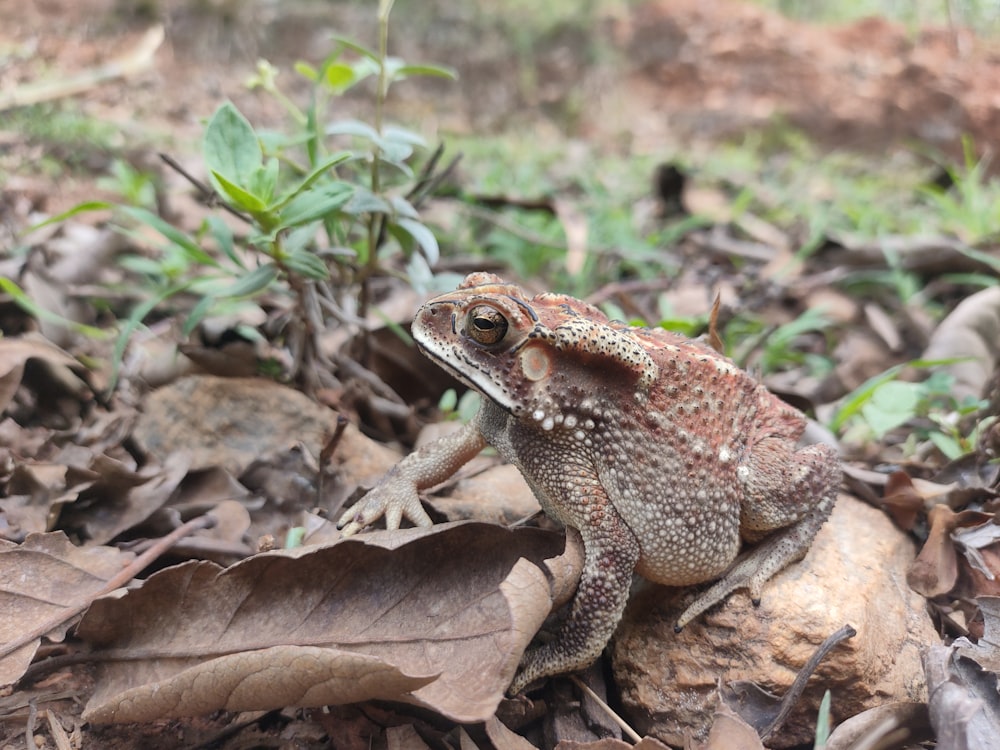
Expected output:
(486, 325)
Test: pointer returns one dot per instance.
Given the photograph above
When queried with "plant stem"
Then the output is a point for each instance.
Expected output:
(374, 222)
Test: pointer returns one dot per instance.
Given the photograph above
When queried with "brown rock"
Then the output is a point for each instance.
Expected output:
(855, 573)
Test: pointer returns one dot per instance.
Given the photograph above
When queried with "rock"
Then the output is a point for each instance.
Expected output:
(855, 573)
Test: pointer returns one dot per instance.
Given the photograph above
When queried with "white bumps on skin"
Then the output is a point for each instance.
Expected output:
(661, 452)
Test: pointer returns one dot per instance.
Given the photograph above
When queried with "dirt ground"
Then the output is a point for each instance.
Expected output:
(657, 73)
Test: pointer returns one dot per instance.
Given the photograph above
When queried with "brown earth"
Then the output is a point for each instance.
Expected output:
(658, 73)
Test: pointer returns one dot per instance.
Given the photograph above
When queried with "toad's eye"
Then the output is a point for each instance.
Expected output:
(486, 325)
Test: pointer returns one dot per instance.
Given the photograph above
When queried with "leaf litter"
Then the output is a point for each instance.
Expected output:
(315, 626)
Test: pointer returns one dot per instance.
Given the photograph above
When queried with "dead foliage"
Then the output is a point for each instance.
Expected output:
(146, 595)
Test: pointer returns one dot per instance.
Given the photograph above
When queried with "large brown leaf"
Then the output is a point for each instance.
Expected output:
(39, 580)
(437, 617)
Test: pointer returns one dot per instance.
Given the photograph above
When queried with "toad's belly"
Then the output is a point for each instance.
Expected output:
(679, 549)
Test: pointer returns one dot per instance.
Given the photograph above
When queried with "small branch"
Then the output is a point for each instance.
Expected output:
(791, 697)
(622, 724)
(209, 195)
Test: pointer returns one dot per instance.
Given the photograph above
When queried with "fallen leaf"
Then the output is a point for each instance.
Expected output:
(14, 355)
(962, 700)
(230, 422)
(986, 653)
(404, 737)
(448, 610)
(40, 578)
(504, 738)
(123, 497)
(971, 333)
(935, 570)
(730, 731)
(906, 723)
(902, 501)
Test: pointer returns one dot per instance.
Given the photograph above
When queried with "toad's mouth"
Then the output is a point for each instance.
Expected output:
(471, 373)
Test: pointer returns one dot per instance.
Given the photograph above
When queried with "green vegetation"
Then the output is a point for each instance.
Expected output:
(323, 206)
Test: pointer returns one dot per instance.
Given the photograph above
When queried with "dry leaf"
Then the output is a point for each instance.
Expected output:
(456, 602)
(963, 701)
(730, 732)
(123, 497)
(15, 353)
(971, 332)
(902, 501)
(230, 422)
(905, 723)
(986, 652)
(404, 737)
(935, 570)
(40, 578)
(504, 738)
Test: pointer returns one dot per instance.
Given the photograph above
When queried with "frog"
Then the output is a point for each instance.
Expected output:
(659, 453)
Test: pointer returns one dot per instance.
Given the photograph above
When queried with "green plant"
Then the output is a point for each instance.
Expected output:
(773, 348)
(135, 186)
(884, 403)
(970, 207)
(329, 205)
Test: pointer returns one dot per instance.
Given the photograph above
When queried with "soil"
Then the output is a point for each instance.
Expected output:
(655, 73)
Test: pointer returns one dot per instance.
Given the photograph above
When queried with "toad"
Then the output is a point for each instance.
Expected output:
(661, 453)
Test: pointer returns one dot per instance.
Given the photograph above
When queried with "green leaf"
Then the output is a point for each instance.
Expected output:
(315, 203)
(79, 208)
(338, 75)
(892, 404)
(985, 258)
(181, 239)
(197, 314)
(231, 147)
(364, 201)
(306, 70)
(309, 179)
(352, 127)
(403, 207)
(853, 401)
(948, 445)
(22, 300)
(307, 264)
(397, 134)
(435, 71)
(355, 47)
(823, 722)
(258, 279)
(223, 237)
(240, 198)
(265, 180)
(424, 237)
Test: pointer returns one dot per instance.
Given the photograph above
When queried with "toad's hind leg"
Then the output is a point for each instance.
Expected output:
(791, 491)
(610, 555)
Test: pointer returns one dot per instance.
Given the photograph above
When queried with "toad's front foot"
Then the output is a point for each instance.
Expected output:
(395, 497)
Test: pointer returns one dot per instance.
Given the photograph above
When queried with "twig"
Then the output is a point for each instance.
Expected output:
(632, 734)
(791, 697)
(123, 577)
(209, 195)
(326, 453)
